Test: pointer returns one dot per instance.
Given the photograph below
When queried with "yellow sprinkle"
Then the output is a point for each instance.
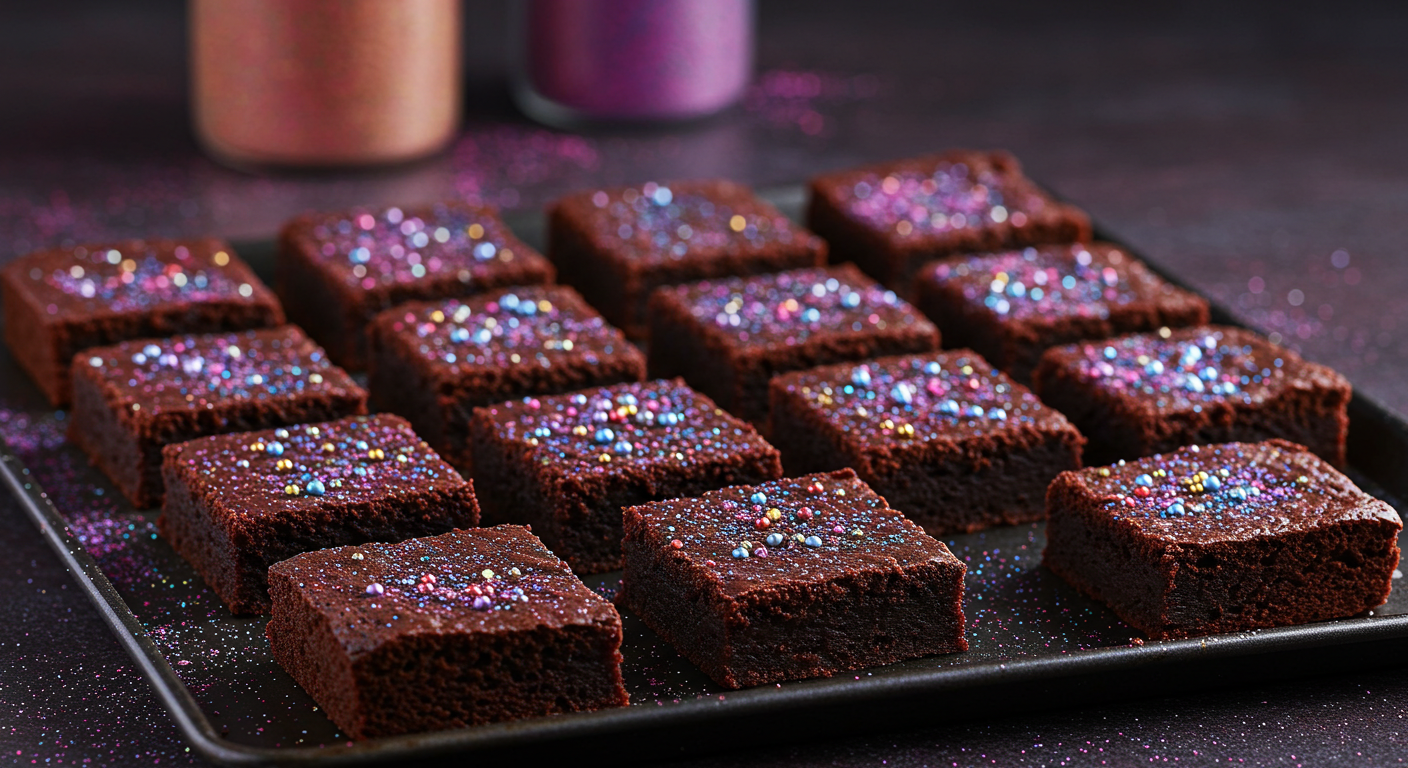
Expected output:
(475, 231)
(514, 572)
(487, 574)
(857, 533)
(887, 424)
(840, 491)
(567, 345)
(221, 258)
(905, 430)
(128, 265)
(437, 316)
(544, 305)
(604, 458)
(1302, 480)
(291, 489)
(376, 454)
(860, 409)
(774, 514)
(737, 223)
(257, 447)
(316, 378)
(356, 555)
(283, 464)
(904, 227)
(679, 456)
(579, 430)
(1103, 471)
(505, 254)
(1164, 332)
(329, 447)
(967, 370)
(402, 458)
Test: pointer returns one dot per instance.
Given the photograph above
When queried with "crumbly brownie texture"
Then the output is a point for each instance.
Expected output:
(893, 217)
(1139, 395)
(1012, 306)
(131, 399)
(953, 443)
(433, 362)
(462, 629)
(801, 577)
(568, 464)
(62, 301)
(336, 271)
(728, 337)
(236, 504)
(618, 245)
(1222, 538)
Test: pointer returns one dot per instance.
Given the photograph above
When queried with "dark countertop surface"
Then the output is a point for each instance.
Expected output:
(1259, 151)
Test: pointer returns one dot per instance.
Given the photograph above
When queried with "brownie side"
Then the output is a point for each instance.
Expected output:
(880, 593)
(523, 638)
(1282, 538)
(541, 462)
(61, 301)
(1150, 393)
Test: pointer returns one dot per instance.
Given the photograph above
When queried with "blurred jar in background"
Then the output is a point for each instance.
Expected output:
(325, 82)
(605, 61)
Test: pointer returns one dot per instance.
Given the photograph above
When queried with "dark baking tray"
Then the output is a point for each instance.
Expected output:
(1034, 642)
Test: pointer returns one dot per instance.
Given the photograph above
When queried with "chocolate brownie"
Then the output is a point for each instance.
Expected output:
(1138, 395)
(337, 270)
(1221, 538)
(238, 503)
(1011, 306)
(432, 362)
(801, 577)
(955, 444)
(618, 245)
(132, 398)
(729, 337)
(61, 301)
(568, 463)
(449, 631)
(891, 218)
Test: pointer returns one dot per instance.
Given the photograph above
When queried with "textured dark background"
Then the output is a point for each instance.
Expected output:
(1258, 150)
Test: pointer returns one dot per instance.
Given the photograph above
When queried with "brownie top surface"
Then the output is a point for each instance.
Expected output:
(794, 307)
(371, 248)
(136, 276)
(197, 372)
(804, 529)
(286, 471)
(625, 427)
(932, 197)
(938, 396)
(466, 582)
(664, 223)
(527, 326)
(1181, 369)
(1231, 491)
(1054, 281)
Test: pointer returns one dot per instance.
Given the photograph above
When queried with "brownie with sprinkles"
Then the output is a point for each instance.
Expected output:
(891, 218)
(336, 271)
(61, 301)
(801, 577)
(943, 436)
(618, 245)
(133, 398)
(567, 464)
(238, 503)
(1149, 393)
(466, 628)
(1012, 306)
(433, 362)
(728, 337)
(1222, 538)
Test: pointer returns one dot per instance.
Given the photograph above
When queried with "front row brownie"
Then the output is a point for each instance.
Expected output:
(1222, 538)
(433, 362)
(1149, 393)
(728, 337)
(795, 578)
(1010, 307)
(462, 629)
(955, 444)
(61, 301)
(131, 399)
(236, 504)
(567, 464)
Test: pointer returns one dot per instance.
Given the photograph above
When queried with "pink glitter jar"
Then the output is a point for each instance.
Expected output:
(632, 60)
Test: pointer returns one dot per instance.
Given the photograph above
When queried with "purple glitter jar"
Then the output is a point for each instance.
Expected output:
(589, 61)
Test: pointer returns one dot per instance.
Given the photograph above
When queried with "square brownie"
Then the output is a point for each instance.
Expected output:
(61, 301)
(1139, 395)
(891, 218)
(1010, 307)
(1221, 538)
(338, 270)
(433, 362)
(567, 464)
(728, 337)
(449, 631)
(133, 398)
(618, 245)
(238, 503)
(801, 577)
(955, 444)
